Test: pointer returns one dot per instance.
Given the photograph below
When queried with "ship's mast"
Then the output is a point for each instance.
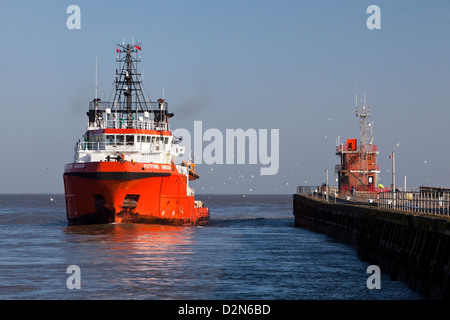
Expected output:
(129, 97)
(129, 109)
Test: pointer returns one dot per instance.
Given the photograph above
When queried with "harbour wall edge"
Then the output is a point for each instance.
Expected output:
(413, 248)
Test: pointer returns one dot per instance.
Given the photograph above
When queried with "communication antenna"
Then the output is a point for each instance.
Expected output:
(363, 112)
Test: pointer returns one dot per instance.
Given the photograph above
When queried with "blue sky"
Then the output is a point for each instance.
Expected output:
(288, 65)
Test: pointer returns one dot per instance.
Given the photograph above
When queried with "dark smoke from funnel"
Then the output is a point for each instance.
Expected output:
(194, 106)
(80, 100)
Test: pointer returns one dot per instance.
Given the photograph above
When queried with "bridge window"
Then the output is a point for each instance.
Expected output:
(129, 140)
(110, 139)
(119, 139)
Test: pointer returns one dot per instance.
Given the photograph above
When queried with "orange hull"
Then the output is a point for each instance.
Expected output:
(129, 192)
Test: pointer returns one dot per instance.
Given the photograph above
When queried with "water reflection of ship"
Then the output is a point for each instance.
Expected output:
(136, 247)
(150, 236)
(135, 235)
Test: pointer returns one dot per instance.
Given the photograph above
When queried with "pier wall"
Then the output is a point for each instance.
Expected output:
(413, 248)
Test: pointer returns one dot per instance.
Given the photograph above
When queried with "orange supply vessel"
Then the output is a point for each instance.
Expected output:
(124, 169)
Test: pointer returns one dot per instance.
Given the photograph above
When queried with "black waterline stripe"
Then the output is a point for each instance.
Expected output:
(117, 175)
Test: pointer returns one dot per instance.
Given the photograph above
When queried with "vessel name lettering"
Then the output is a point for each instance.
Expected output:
(151, 166)
(165, 167)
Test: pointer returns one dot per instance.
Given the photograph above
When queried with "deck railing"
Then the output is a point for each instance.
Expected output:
(101, 146)
(367, 148)
(135, 105)
(412, 201)
(128, 124)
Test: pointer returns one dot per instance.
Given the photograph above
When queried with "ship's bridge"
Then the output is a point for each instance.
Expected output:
(133, 144)
(151, 115)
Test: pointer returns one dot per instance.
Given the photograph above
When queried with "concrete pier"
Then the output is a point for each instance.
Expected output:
(413, 248)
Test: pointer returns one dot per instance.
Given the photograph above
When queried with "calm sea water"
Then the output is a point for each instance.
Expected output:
(250, 250)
